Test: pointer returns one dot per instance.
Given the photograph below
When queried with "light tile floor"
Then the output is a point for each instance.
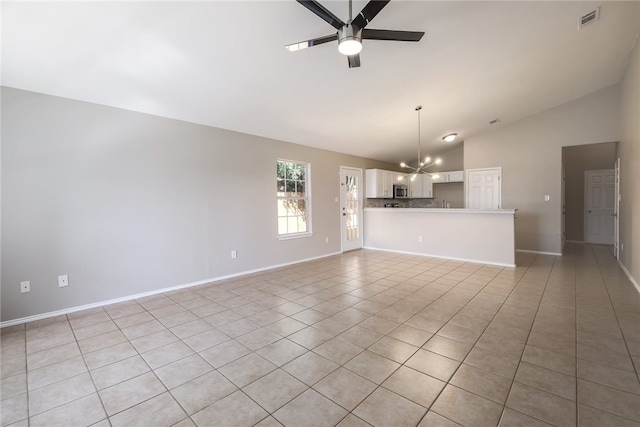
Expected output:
(365, 338)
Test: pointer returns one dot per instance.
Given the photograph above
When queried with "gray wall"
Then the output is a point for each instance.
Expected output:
(530, 154)
(126, 203)
(453, 193)
(629, 153)
(576, 161)
(452, 159)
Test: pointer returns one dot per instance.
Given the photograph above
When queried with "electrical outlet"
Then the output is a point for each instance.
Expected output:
(326, 240)
(63, 281)
(234, 254)
(25, 287)
(419, 238)
(546, 198)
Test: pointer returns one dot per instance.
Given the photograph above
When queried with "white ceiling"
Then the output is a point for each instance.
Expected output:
(223, 64)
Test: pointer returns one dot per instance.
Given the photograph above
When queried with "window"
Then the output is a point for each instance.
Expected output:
(293, 198)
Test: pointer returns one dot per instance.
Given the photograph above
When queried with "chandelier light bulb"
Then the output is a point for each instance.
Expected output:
(420, 167)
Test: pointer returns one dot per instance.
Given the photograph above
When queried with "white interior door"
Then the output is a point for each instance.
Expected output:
(616, 213)
(599, 206)
(563, 197)
(484, 190)
(351, 208)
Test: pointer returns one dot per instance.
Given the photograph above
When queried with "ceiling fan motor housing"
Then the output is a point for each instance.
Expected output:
(349, 35)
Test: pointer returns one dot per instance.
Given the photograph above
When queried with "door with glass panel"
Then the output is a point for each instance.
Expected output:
(351, 189)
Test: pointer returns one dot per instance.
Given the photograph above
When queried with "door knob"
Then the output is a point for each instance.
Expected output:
(589, 211)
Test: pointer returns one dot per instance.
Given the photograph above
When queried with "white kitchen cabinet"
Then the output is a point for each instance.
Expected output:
(453, 176)
(379, 183)
(389, 179)
(456, 176)
(421, 187)
(415, 186)
(427, 186)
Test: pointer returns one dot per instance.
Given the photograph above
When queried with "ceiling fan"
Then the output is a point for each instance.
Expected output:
(351, 33)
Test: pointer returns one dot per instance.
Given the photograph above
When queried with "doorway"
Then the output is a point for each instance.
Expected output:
(576, 160)
(351, 208)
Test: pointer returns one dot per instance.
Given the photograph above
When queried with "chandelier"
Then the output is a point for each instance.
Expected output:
(421, 165)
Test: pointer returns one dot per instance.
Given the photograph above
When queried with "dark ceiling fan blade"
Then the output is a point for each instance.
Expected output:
(322, 13)
(369, 12)
(354, 60)
(313, 42)
(401, 36)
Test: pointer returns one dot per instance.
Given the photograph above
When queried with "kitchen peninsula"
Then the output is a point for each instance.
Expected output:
(483, 236)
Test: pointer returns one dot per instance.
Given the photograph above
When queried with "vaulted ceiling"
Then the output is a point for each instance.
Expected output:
(224, 64)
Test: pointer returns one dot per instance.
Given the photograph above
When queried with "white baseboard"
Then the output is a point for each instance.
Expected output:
(538, 252)
(150, 293)
(628, 273)
(475, 261)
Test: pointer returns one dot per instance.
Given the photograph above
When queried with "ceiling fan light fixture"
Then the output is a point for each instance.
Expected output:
(349, 41)
(350, 47)
(450, 137)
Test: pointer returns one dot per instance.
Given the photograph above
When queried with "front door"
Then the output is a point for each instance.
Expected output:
(483, 188)
(351, 189)
(599, 206)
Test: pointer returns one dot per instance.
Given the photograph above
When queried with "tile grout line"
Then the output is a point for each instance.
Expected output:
(378, 386)
(615, 312)
(448, 382)
(104, 408)
(513, 380)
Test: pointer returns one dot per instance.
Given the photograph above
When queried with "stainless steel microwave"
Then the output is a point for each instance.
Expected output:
(400, 191)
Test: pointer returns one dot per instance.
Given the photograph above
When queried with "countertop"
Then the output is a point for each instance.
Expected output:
(445, 210)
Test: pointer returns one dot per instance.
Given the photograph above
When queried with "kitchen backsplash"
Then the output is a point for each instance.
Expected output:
(401, 203)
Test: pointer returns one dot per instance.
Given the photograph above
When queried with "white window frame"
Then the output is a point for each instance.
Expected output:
(307, 199)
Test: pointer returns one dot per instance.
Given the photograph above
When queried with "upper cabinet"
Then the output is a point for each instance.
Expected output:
(453, 176)
(379, 183)
(427, 186)
(421, 187)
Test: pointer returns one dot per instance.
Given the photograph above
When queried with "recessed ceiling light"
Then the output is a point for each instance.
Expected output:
(450, 137)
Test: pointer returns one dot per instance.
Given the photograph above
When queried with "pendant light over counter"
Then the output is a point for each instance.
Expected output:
(421, 165)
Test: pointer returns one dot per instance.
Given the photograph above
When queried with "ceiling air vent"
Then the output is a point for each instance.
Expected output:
(589, 17)
(494, 121)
